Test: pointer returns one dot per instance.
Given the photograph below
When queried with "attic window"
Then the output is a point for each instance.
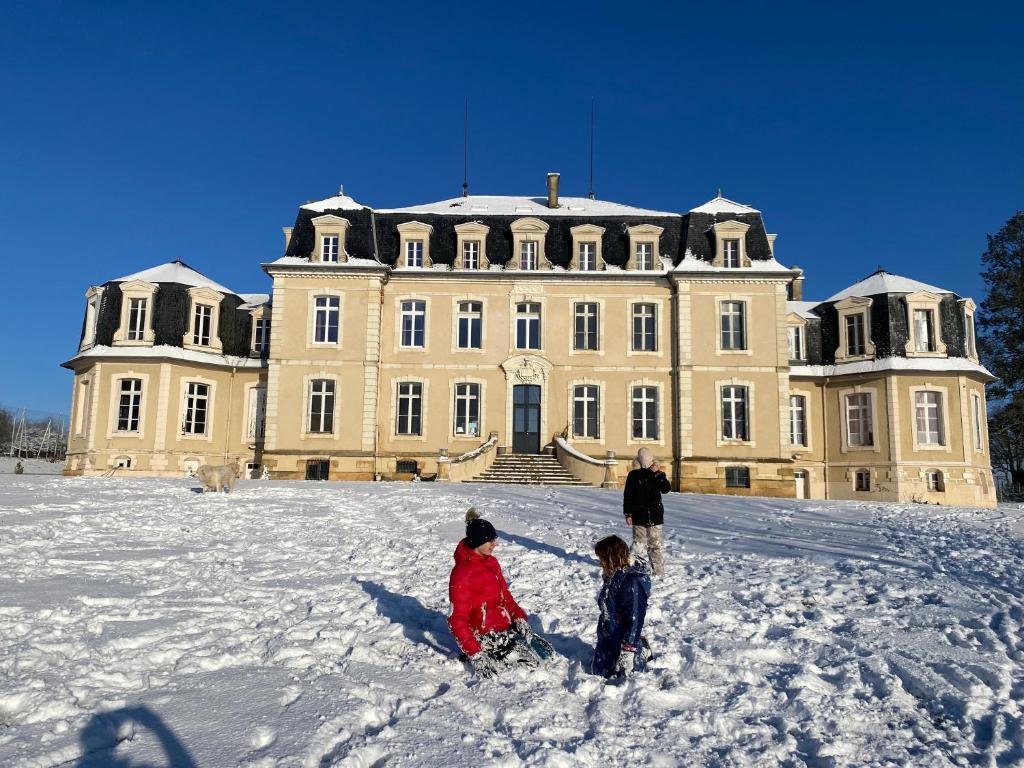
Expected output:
(576, 208)
(479, 209)
(731, 254)
(524, 209)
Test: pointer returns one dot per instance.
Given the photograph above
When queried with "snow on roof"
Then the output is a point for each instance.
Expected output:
(893, 364)
(803, 308)
(175, 272)
(723, 205)
(885, 282)
(336, 203)
(253, 300)
(168, 352)
(510, 205)
(353, 261)
(690, 263)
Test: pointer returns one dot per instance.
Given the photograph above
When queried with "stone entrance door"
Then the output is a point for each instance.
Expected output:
(526, 418)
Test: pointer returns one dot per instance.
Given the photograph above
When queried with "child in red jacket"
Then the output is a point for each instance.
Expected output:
(487, 623)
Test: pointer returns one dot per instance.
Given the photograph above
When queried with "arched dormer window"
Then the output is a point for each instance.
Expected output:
(587, 254)
(644, 247)
(204, 320)
(471, 246)
(136, 325)
(528, 238)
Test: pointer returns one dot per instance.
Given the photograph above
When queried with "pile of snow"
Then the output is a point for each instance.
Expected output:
(303, 624)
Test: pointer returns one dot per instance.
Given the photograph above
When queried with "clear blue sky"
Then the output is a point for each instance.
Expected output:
(133, 134)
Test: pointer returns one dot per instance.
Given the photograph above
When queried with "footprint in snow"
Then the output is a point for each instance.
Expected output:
(262, 737)
(289, 695)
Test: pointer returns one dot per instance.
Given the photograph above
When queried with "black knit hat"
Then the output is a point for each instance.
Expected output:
(478, 530)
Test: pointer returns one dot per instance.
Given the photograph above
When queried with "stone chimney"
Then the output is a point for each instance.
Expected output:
(796, 286)
(553, 190)
(287, 237)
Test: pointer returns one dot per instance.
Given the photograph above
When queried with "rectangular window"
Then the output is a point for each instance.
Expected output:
(795, 342)
(329, 248)
(855, 335)
(797, 420)
(470, 322)
(737, 477)
(467, 410)
(586, 326)
(197, 406)
(588, 257)
(528, 250)
(645, 331)
(129, 405)
(202, 320)
(528, 325)
(862, 480)
(257, 413)
(414, 323)
(645, 256)
(734, 325)
(137, 319)
(585, 411)
(327, 312)
(933, 478)
(414, 253)
(471, 254)
(858, 420)
(976, 412)
(410, 405)
(261, 336)
(645, 413)
(81, 406)
(321, 406)
(734, 413)
(928, 406)
(731, 254)
(969, 325)
(924, 330)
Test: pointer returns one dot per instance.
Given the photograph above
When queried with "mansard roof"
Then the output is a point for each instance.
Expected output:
(512, 205)
(720, 204)
(175, 272)
(885, 282)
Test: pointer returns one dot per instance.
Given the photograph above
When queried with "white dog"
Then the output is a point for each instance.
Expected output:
(214, 478)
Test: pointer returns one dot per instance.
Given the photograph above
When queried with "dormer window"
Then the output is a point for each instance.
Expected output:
(260, 346)
(93, 297)
(528, 236)
(731, 254)
(924, 330)
(414, 244)
(136, 325)
(528, 255)
(855, 335)
(643, 245)
(586, 247)
(730, 244)
(330, 232)
(854, 329)
(795, 343)
(203, 330)
(925, 338)
(970, 342)
(471, 245)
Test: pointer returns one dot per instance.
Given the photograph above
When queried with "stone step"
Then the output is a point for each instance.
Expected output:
(527, 469)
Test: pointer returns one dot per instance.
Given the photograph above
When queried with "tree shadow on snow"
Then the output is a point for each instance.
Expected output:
(106, 730)
(540, 546)
(420, 624)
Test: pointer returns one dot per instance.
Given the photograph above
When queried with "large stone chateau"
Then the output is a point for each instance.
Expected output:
(427, 340)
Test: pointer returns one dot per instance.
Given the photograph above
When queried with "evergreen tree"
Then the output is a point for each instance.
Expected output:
(1001, 319)
(1006, 440)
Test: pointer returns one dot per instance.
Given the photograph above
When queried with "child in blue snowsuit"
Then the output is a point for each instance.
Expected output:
(623, 604)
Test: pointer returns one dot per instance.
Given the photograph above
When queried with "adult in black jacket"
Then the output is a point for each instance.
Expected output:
(641, 504)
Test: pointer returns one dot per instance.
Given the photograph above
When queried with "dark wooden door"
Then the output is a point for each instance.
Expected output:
(526, 418)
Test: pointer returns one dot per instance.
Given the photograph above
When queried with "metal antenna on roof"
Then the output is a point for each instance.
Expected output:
(465, 151)
(590, 194)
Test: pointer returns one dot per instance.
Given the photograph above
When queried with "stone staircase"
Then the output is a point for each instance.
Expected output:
(527, 469)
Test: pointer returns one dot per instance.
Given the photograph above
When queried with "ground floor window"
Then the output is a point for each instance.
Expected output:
(197, 404)
(467, 410)
(862, 480)
(129, 405)
(318, 469)
(645, 413)
(321, 406)
(410, 408)
(933, 478)
(586, 401)
(737, 477)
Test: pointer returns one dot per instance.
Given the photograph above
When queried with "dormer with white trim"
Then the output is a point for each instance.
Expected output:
(471, 243)
(730, 244)
(135, 327)
(924, 337)
(528, 238)
(330, 232)
(203, 320)
(854, 330)
(414, 244)
(93, 301)
(588, 237)
(644, 247)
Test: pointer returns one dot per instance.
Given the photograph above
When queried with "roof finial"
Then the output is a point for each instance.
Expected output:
(719, 192)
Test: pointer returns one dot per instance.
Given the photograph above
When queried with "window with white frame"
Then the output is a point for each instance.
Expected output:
(528, 325)
(924, 330)
(862, 480)
(645, 413)
(202, 322)
(129, 405)
(645, 328)
(586, 326)
(731, 254)
(92, 315)
(976, 414)
(321, 406)
(972, 350)
(928, 409)
(326, 319)
(737, 477)
(797, 420)
(528, 255)
(197, 408)
(257, 415)
(795, 342)
(414, 253)
(471, 254)
(734, 413)
(414, 323)
(137, 308)
(934, 480)
(586, 405)
(469, 324)
(734, 325)
(261, 336)
(856, 334)
(859, 429)
(587, 257)
(467, 409)
(644, 256)
(410, 408)
(329, 246)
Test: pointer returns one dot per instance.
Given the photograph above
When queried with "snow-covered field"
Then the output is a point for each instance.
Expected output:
(31, 466)
(303, 624)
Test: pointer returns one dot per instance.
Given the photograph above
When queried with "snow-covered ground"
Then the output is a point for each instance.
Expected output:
(303, 624)
(30, 466)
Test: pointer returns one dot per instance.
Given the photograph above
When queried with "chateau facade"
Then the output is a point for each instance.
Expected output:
(429, 339)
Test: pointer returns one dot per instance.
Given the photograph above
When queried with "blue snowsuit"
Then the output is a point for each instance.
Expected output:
(623, 604)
